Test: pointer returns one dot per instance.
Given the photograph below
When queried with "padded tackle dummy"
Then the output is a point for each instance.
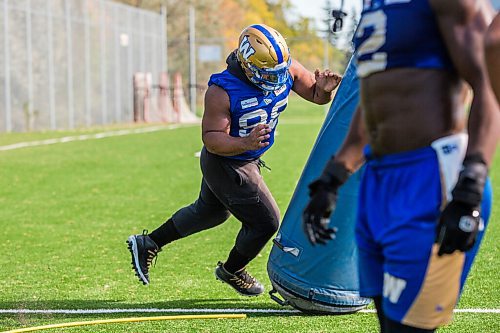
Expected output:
(321, 278)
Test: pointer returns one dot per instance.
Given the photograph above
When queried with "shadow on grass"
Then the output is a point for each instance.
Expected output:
(189, 304)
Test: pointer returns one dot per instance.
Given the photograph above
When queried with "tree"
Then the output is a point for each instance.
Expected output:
(221, 21)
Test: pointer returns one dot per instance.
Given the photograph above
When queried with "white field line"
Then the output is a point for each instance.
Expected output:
(156, 310)
(85, 137)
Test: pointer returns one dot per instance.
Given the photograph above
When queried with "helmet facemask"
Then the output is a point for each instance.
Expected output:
(269, 79)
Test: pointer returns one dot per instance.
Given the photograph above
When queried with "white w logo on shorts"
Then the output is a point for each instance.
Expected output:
(393, 287)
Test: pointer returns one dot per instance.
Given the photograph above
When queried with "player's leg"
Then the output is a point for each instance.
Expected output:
(420, 288)
(387, 325)
(249, 200)
(206, 212)
(260, 221)
(370, 268)
(370, 257)
(392, 326)
(377, 300)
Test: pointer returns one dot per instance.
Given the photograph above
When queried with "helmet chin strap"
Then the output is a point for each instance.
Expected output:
(248, 73)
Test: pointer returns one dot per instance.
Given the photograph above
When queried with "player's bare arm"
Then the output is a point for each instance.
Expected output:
(216, 123)
(315, 87)
(350, 154)
(493, 55)
(463, 25)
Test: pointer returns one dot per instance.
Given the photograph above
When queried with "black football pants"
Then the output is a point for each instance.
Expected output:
(232, 187)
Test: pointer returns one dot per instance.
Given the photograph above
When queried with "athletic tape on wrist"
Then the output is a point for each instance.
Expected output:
(471, 181)
(334, 173)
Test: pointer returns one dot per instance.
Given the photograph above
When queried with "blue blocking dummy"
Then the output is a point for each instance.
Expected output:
(321, 278)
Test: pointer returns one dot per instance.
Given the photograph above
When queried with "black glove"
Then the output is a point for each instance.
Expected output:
(323, 193)
(316, 217)
(460, 220)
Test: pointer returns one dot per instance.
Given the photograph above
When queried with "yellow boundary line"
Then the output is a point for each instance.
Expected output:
(127, 320)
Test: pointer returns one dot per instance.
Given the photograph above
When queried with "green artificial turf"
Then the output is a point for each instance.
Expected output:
(67, 209)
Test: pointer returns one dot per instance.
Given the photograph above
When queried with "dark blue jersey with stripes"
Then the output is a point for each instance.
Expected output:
(251, 106)
(399, 33)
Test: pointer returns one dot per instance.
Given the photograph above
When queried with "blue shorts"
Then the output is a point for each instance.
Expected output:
(400, 200)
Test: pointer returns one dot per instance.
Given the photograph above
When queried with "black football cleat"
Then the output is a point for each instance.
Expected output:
(143, 250)
(241, 281)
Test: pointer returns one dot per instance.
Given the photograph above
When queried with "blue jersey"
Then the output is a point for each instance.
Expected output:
(399, 33)
(251, 106)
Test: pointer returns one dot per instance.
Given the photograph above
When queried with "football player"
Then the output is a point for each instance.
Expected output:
(422, 207)
(242, 107)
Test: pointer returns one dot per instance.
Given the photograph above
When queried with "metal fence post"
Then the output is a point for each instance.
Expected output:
(164, 45)
(8, 106)
(154, 62)
(50, 56)
(130, 61)
(29, 51)
(142, 36)
(88, 110)
(117, 44)
(69, 53)
(192, 59)
(104, 101)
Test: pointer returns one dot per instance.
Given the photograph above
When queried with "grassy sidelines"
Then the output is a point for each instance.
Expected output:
(66, 210)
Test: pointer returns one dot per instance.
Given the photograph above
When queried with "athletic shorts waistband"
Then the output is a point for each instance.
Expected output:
(406, 157)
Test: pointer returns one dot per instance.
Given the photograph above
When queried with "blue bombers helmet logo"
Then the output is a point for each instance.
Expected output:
(246, 49)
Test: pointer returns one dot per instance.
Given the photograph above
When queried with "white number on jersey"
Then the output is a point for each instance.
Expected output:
(262, 118)
(378, 62)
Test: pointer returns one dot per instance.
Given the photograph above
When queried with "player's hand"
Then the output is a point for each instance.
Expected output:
(316, 216)
(460, 221)
(256, 139)
(458, 228)
(327, 80)
(323, 193)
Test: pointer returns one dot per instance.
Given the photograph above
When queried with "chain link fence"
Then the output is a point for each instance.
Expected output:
(69, 64)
